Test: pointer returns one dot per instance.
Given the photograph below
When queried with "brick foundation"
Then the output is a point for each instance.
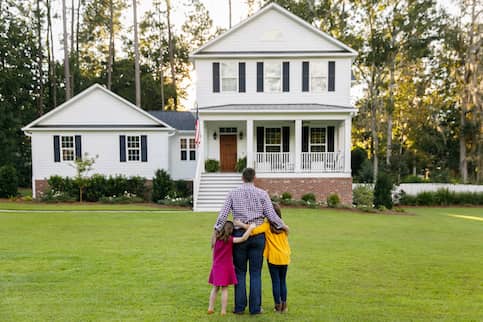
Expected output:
(321, 187)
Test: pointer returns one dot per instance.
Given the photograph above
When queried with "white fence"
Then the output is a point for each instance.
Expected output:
(415, 188)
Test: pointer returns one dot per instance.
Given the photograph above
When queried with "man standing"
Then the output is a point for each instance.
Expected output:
(248, 204)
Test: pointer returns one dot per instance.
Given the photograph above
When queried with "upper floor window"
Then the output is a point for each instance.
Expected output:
(318, 76)
(68, 149)
(272, 76)
(229, 77)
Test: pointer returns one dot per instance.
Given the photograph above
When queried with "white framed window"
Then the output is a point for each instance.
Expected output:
(318, 76)
(318, 139)
(133, 148)
(229, 77)
(273, 139)
(272, 76)
(67, 145)
(187, 149)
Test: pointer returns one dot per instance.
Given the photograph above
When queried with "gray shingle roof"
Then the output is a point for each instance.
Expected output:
(184, 121)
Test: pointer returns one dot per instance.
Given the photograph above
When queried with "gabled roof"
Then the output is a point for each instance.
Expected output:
(204, 51)
(183, 121)
(150, 121)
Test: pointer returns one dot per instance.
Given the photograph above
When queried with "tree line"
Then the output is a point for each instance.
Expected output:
(419, 69)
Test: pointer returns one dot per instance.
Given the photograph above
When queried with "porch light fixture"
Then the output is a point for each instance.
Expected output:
(215, 136)
(241, 135)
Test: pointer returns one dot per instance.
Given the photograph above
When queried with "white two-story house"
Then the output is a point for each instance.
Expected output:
(273, 91)
(276, 91)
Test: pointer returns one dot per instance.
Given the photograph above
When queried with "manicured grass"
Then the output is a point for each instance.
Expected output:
(154, 267)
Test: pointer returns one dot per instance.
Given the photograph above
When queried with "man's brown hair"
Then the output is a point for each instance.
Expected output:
(248, 175)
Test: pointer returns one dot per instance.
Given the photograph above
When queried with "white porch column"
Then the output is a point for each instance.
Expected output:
(298, 144)
(348, 143)
(250, 135)
(203, 144)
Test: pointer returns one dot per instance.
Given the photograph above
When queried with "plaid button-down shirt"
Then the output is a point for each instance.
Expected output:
(248, 204)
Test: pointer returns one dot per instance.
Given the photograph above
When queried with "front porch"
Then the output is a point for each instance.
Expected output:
(315, 146)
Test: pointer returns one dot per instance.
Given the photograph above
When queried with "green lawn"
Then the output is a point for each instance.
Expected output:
(154, 267)
(12, 205)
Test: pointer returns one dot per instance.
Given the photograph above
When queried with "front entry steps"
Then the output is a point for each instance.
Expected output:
(214, 188)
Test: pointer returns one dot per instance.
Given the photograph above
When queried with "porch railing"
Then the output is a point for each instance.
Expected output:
(274, 162)
(321, 162)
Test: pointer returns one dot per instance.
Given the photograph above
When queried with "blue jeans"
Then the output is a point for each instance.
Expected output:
(278, 273)
(250, 251)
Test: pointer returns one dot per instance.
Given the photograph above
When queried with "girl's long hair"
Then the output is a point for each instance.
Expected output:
(225, 233)
(278, 211)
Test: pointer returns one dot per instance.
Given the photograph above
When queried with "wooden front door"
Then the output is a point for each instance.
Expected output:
(228, 153)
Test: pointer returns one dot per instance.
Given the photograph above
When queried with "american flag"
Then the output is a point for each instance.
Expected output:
(197, 127)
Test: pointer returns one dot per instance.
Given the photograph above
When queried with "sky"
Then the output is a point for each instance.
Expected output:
(219, 12)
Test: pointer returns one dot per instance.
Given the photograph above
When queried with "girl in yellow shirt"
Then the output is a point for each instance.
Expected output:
(277, 253)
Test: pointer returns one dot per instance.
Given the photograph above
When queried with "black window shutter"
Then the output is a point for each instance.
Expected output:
(144, 148)
(259, 77)
(56, 148)
(241, 78)
(122, 148)
(286, 76)
(260, 139)
(331, 76)
(286, 139)
(305, 76)
(78, 147)
(330, 138)
(216, 77)
(305, 139)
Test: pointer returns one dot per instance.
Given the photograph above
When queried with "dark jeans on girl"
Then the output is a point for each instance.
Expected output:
(278, 273)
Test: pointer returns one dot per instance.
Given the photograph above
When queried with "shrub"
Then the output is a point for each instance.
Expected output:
(241, 164)
(66, 186)
(382, 191)
(308, 197)
(412, 179)
(425, 198)
(97, 187)
(363, 196)
(162, 185)
(310, 203)
(124, 198)
(286, 196)
(366, 173)
(442, 197)
(57, 196)
(212, 165)
(358, 156)
(8, 181)
(275, 198)
(183, 188)
(181, 202)
(333, 200)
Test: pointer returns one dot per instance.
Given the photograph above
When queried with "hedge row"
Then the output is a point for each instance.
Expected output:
(442, 197)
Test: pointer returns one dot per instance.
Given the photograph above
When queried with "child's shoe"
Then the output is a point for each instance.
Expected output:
(210, 312)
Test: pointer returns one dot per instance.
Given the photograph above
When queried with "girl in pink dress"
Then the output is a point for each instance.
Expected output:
(223, 271)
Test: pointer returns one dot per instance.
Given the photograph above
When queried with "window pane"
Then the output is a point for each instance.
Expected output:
(318, 84)
(317, 69)
(272, 69)
(273, 136)
(272, 84)
(133, 155)
(192, 144)
(272, 148)
(317, 135)
(67, 141)
(192, 155)
(133, 141)
(229, 84)
(183, 155)
(228, 69)
(68, 155)
(182, 143)
(317, 148)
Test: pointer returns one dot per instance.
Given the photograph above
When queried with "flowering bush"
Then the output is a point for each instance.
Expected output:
(127, 197)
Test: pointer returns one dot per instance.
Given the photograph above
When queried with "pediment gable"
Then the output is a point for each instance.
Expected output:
(273, 29)
(97, 106)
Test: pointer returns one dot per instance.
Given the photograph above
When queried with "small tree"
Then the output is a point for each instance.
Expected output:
(382, 191)
(162, 185)
(8, 181)
(82, 166)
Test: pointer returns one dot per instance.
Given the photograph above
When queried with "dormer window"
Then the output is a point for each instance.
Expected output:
(229, 77)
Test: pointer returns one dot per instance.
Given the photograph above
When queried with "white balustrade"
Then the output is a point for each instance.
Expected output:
(322, 162)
